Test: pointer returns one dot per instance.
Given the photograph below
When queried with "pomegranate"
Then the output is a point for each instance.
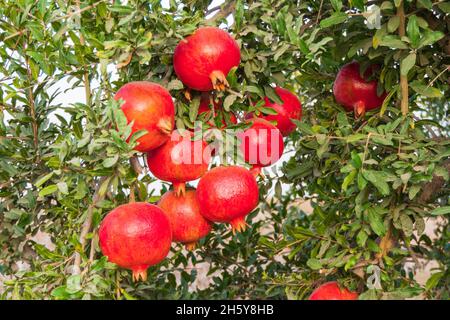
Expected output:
(228, 194)
(202, 60)
(210, 113)
(355, 93)
(180, 160)
(290, 109)
(149, 106)
(261, 144)
(188, 225)
(135, 236)
(332, 291)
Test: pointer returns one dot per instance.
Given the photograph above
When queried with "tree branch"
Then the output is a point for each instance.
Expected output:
(87, 224)
(403, 78)
(225, 10)
(32, 106)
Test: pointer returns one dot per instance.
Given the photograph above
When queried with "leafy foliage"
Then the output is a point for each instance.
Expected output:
(373, 182)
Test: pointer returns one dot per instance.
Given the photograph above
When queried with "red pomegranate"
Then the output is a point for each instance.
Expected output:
(290, 109)
(211, 113)
(228, 194)
(136, 236)
(332, 291)
(188, 225)
(179, 160)
(355, 93)
(150, 107)
(261, 144)
(202, 61)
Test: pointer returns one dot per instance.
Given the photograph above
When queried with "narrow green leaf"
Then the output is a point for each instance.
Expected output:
(335, 18)
(48, 190)
(440, 211)
(407, 63)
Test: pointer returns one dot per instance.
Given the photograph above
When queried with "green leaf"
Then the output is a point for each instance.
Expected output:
(109, 162)
(280, 51)
(430, 37)
(407, 63)
(62, 187)
(382, 140)
(272, 95)
(444, 6)
(413, 190)
(175, 84)
(355, 137)
(335, 18)
(440, 211)
(412, 30)
(433, 281)
(44, 179)
(376, 221)
(393, 42)
(378, 180)
(314, 264)
(425, 90)
(424, 4)
(337, 5)
(267, 110)
(348, 180)
(393, 24)
(193, 108)
(48, 190)
(407, 224)
(73, 284)
(304, 127)
(361, 238)
(228, 102)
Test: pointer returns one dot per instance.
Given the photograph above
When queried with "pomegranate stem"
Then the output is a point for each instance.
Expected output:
(238, 224)
(219, 80)
(179, 188)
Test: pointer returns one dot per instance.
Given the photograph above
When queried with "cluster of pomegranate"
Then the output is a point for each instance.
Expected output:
(138, 235)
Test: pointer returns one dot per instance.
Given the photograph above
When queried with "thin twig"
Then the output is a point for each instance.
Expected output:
(77, 12)
(87, 224)
(320, 12)
(447, 68)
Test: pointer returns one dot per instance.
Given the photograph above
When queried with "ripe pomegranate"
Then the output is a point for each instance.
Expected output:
(136, 236)
(180, 160)
(355, 93)
(210, 114)
(228, 194)
(188, 225)
(202, 61)
(150, 107)
(290, 109)
(332, 291)
(261, 144)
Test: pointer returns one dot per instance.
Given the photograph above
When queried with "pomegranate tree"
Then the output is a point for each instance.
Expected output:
(354, 92)
(332, 291)
(261, 144)
(180, 160)
(188, 225)
(203, 60)
(135, 236)
(290, 109)
(149, 106)
(228, 194)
